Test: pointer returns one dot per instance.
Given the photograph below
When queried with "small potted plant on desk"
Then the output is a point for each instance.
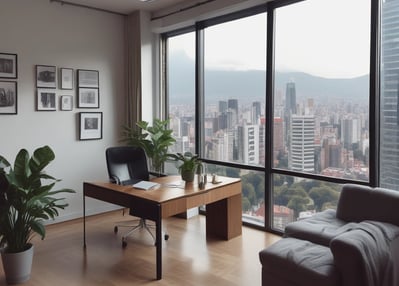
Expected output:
(190, 165)
(25, 203)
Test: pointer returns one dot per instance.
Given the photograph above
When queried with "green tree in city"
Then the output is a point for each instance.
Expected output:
(246, 205)
(257, 180)
(298, 204)
(294, 197)
(322, 195)
(232, 172)
(260, 190)
(248, 191)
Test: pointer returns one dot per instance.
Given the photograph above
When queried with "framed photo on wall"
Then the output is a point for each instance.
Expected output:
(88, 98)
(8, 97)
(46, 76)
(8, 65)
(88, 78)
(66, 78)
(46, 100)
(90, 125)
(66, 102)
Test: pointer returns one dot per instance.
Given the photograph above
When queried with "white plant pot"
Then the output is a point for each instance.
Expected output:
(17, 266)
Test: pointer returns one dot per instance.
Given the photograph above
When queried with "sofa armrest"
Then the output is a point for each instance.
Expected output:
(347, 259)
(364, 255)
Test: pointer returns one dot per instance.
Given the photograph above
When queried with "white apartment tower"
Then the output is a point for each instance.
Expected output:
(302, 149)
(251, 144)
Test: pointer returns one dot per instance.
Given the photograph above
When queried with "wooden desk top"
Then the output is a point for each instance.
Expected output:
(171, 187)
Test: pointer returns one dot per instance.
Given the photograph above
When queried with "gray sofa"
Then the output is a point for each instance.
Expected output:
(355, 245)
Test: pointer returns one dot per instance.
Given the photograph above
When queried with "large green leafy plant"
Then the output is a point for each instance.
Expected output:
(26, 198)
(155, 140)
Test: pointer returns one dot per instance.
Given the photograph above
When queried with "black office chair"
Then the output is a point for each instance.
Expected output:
(127, 165)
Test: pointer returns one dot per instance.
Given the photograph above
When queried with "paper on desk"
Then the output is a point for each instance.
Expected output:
(145, 185)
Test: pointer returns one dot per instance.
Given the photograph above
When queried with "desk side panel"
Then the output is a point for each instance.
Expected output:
(106, 194)
(224, 218)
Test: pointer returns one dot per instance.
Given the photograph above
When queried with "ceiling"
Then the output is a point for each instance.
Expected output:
(125, 6)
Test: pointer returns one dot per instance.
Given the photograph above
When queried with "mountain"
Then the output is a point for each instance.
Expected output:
(250, 85)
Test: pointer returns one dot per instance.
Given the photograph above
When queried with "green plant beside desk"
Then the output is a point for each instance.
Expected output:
(155, 140)
(25, 204)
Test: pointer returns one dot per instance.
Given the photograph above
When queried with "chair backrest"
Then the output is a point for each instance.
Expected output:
(126, 165)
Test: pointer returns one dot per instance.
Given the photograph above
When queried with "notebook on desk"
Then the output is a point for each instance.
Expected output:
(145, 185)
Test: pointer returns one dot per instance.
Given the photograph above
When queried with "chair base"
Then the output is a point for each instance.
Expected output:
(140, 224)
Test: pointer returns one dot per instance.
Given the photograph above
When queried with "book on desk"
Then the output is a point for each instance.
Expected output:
(145, 185)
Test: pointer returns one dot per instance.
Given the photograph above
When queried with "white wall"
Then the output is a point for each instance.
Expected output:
(150, 107)
(47, 33)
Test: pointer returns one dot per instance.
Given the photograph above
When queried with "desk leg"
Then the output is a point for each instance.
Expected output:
(84, 220)
(158, 242)
(223, 218)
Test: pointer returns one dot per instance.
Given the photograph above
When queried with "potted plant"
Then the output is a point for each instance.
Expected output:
(25, 204)
(155, 140)
(190, 164)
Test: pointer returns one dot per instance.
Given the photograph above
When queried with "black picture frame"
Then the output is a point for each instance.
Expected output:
(46, 100)
(66, 78)
(90, 125)
(8, 97)
(8, 65)
(88, 78)
(46, 76)
(66, 102)
(88, 97)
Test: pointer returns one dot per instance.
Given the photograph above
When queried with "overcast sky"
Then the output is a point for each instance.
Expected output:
(328, 38)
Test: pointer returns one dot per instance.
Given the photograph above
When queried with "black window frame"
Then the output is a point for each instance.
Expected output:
(269, 170)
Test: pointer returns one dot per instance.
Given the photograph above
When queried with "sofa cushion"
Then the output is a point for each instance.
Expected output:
(319, 228)
(292, 261)
(358, 203)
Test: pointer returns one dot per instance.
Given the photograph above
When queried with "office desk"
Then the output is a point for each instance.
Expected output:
(222, 200)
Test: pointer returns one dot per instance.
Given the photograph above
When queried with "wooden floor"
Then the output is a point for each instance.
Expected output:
(188, 257)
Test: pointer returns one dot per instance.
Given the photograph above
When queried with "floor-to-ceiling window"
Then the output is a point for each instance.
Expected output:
(294, 133)
(321, 102)
(234, 90)
(181, 90)
(389, 138)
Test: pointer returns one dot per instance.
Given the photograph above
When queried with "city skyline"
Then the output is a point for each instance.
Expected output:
(341, 127)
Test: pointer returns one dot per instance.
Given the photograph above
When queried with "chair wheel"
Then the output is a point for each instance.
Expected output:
(166, 236)
(124, 244)
(115, 229)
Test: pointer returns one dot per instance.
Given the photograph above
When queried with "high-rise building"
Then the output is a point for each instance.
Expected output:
(262, 141)
(290, 98)
(302, 149)
(222, 106)
(232, 105)
(289, 109)
(350, 132)
(389, 131)
(256, 112)
(251, 144)
(278, 136)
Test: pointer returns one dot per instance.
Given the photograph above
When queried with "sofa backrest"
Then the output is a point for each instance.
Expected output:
(358, 203)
